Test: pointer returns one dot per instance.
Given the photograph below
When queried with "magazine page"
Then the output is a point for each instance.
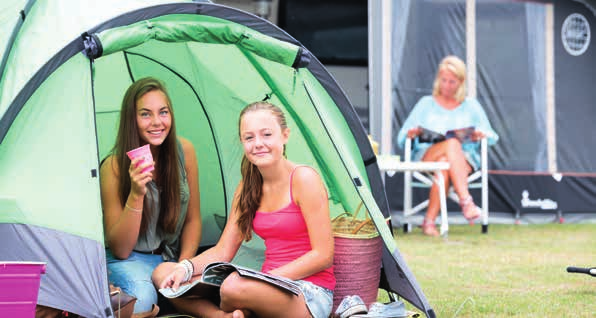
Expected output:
(462, 134)
(279, 281)
(215, 273)
(431, 136)
(195, 287)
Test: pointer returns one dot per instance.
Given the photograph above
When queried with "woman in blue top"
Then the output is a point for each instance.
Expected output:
(448, 109)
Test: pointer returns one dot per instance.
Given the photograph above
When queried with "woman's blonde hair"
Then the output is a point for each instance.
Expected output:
(456, 66)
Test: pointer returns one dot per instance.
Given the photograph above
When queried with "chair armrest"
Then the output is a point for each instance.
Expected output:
(484, 154)
(484, 181)
(408, 150)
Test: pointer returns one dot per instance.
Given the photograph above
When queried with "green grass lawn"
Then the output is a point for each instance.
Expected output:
(513, 271)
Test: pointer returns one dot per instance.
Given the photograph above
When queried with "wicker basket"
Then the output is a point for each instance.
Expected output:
(357, 259)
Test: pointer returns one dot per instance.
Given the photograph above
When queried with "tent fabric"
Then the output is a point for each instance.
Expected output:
(183, 30)
(78, 17)
(60, 97)
(74, 282)
(11, 20)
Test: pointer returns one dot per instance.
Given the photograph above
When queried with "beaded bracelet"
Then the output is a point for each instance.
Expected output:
(185, 278)
(188, 269)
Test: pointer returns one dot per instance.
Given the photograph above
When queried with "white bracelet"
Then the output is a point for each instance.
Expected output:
(188, 269)
(185, 278)
(133, 209)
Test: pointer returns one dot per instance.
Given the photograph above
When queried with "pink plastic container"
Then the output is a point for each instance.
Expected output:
(143, 152)
(19, 287)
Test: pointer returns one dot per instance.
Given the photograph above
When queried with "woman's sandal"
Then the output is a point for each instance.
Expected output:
(429, 228)
(469, 209)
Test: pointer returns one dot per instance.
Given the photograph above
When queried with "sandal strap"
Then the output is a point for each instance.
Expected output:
(466, 201)
(429, 228)
(428, 223)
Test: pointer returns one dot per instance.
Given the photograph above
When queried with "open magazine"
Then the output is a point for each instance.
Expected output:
(462, 134)
(214, 274)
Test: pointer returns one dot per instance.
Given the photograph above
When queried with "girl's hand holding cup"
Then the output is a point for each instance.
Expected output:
(140, 168)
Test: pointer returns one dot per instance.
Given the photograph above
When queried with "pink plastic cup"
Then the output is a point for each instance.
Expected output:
(145, 153)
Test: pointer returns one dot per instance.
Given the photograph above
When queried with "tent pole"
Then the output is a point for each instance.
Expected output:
(386, 131)
(373, 95)
(379, 72)
(471, 46)
(551, 135)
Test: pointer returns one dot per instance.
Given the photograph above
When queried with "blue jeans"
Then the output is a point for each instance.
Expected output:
(133, 276)
(319, 300)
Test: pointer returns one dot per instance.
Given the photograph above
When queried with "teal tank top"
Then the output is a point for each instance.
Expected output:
(153, 238)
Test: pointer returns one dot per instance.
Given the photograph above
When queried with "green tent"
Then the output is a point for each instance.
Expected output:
(65, 65)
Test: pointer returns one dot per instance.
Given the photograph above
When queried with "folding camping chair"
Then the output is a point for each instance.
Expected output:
(477, 180)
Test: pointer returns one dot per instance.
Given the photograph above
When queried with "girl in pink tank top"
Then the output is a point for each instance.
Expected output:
(287, 206)
(286, 238)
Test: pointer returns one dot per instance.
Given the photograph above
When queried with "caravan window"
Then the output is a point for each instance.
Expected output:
(335, 31)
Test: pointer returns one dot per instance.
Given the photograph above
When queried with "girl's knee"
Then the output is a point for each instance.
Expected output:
(453, 143)
(443, 159)
(145, 294)
(453, 147)
(232, 289)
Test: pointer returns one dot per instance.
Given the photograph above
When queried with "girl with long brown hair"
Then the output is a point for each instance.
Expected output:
(286, 205)
(149, 216)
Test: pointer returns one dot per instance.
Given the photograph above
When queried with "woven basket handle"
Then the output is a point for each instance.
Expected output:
(354, 216)
(360, 226)
(363, 223)
(337, 217)
(358, 210)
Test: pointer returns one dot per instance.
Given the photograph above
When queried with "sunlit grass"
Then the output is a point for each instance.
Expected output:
(513, 271)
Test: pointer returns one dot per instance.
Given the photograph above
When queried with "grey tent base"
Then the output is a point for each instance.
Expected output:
(84, 270)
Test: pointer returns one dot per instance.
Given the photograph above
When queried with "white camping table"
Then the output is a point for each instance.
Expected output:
(392, 164)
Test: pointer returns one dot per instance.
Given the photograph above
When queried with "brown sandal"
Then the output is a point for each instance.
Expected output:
(469, 209)
(429, 228)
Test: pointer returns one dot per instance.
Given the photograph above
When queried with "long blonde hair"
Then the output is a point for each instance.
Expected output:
(456, 66)
(252, 181)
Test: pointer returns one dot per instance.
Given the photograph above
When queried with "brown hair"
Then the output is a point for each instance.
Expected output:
(252, 181)
(167, 171)
(456, 66)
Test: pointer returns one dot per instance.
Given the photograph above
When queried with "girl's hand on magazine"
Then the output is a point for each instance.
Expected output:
(174, 279)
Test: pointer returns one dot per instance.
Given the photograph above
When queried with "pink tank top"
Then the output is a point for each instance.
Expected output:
(286, 238)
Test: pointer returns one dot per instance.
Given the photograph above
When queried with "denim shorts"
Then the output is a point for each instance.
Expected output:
(319, 300)
(133, 276)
